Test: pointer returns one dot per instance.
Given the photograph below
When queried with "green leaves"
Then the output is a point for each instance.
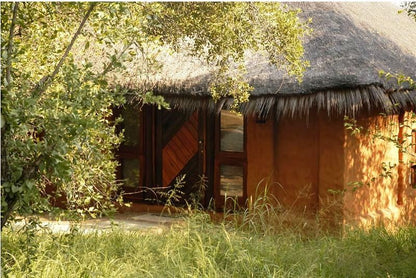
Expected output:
(402, 80)
(351, 125)
(221, 33)
(62, 137)
(150, 98)
(410, 8)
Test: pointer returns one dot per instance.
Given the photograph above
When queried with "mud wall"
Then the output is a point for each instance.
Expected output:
(260, 160)
(297, 164)
(408, 206)
(371, 174)
(317, 165)
(331, 169)
(301, 160)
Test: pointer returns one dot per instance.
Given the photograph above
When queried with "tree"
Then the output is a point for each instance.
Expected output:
(56, 100)
(410, 8)
(403, 80)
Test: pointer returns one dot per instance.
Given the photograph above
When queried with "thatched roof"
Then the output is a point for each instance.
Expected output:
(350, 44)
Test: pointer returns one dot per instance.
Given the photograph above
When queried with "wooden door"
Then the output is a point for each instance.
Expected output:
(180, 149)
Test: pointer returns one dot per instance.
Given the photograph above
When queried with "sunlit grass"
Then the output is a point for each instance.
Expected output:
(199, 248)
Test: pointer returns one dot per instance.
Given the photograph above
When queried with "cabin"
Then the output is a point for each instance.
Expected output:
(326, 145)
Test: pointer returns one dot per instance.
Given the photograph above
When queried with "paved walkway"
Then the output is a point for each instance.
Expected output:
(153, 222)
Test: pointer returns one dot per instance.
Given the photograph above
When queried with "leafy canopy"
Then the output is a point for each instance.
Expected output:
(410, 8)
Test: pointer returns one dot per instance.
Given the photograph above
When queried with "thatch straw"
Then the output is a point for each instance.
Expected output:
(350, 44)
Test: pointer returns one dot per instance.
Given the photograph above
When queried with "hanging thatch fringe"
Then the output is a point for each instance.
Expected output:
(341, 102)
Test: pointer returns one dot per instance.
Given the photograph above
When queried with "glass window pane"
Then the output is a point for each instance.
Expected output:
(131, 172)
(231, 180)
(131, 125)
(232, 131)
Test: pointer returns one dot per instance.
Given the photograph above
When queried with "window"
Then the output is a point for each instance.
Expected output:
(230, 158)
(130, 169)
(232, 132)
(131, 151)
(131, 125)
(231, 181)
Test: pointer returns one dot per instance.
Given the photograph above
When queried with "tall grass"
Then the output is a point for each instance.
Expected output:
(199, 248)
(263, 240)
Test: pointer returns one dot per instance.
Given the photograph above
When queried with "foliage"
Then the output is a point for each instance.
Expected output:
(404, 143)
(410, 8)
(197, 195)
(56, 115)
(60, 135)
(401, 79)
(173, 195)
(221, 33)
(351, 125)
(199, 248)
(174, 198)
(57, 131)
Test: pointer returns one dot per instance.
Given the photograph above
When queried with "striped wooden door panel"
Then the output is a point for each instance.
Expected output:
(179, 149)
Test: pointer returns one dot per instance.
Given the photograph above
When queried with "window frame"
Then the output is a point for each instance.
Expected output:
(231, 158)
(131, 152)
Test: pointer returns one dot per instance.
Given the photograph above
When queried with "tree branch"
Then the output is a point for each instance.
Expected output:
(110, 65)
(10, 46)
(45, 81)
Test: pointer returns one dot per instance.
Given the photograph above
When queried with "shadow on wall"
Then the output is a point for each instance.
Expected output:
(371, 175)
(409, 192)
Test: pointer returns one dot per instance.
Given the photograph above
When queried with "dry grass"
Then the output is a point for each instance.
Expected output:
(262, 241)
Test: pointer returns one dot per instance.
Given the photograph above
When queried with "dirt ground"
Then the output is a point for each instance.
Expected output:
(132, 221)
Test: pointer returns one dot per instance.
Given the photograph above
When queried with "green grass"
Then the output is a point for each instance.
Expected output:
(199, 248)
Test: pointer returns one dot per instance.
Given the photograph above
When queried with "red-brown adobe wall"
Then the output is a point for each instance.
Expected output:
(260, 159)
(284, 155)
(308, 164)
(300, 160)
(408, 207)
(376, 200)
(331, 168)
(297, 164)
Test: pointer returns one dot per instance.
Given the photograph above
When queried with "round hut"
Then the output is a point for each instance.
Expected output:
(341, 143)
